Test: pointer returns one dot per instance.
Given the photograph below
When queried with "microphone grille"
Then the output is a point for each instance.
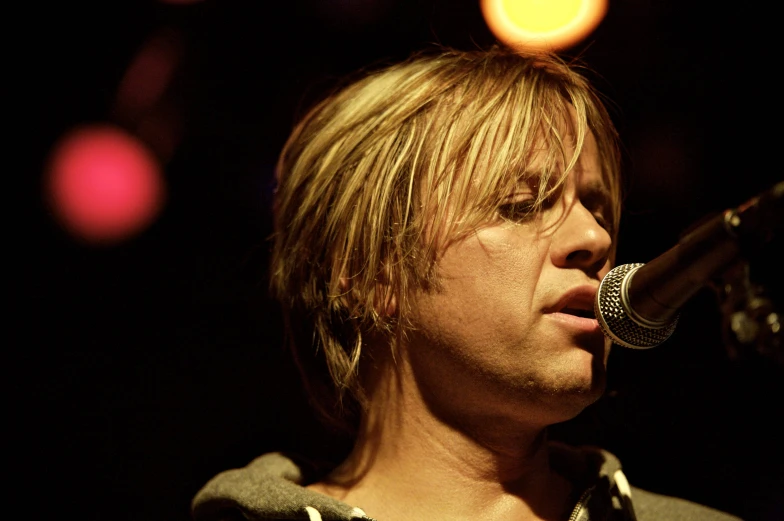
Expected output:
(614, 318)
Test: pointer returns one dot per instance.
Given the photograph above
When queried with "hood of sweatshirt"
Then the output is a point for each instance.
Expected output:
(272, 487)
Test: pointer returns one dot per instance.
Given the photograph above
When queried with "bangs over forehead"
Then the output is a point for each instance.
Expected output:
(379, 174)
(503, 125)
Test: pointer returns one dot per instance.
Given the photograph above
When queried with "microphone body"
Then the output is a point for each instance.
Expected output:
(637, 305)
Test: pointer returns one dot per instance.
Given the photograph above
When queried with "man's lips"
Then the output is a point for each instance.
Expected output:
(574, 311)
(578, 301)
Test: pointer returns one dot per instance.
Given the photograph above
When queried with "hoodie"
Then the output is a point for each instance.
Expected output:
(271, 488)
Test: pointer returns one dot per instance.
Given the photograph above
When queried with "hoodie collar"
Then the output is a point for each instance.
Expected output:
(272, 487)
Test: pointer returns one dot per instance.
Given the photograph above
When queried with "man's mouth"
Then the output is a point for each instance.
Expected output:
(584, 313)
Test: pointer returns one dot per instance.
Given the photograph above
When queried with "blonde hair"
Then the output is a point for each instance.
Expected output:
(379, 175)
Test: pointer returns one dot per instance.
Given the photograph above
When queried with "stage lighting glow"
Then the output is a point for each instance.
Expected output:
(103, 185)
(542, 24)
(149, 74)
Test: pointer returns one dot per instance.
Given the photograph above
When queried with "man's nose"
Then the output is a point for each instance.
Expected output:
(581, 241)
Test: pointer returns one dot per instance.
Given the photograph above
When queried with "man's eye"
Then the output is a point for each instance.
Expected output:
(517, 211)
(602, 221)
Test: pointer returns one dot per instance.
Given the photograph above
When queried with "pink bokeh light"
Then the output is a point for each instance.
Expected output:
(103, 184)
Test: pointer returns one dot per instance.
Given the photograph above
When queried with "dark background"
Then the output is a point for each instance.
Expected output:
(141, 369)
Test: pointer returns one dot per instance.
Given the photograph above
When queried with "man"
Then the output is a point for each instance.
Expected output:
(441, 228)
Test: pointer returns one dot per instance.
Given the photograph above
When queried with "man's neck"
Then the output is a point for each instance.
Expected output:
(409, 464)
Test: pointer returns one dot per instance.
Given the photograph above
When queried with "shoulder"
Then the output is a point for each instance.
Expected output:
(269, 487)
(650, 506)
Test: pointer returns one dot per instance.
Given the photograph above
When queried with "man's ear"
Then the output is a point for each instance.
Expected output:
(345, 290)
(344, 287)
(386, 300)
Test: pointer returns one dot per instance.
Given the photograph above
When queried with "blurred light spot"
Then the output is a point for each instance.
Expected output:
(103, 184)
(144, 101)
(149, 74)
(542, 24)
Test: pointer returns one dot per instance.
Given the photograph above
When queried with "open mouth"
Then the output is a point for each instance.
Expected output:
(583, 313)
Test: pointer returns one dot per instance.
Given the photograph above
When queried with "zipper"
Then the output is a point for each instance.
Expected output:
(579, 507)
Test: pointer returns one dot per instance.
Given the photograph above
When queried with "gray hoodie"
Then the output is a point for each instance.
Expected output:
(271, 487)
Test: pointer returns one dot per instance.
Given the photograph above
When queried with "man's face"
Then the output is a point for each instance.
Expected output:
(506, 330)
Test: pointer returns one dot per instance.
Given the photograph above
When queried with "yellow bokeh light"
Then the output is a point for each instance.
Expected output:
(541, 16)
(551, 24)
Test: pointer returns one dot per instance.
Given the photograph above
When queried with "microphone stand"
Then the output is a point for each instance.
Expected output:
(751, 320)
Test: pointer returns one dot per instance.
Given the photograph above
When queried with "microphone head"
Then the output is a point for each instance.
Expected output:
(616, 317)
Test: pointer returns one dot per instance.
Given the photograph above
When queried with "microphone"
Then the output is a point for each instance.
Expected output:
(637, 305)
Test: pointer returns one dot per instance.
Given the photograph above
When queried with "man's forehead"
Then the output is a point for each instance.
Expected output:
(550, 158)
